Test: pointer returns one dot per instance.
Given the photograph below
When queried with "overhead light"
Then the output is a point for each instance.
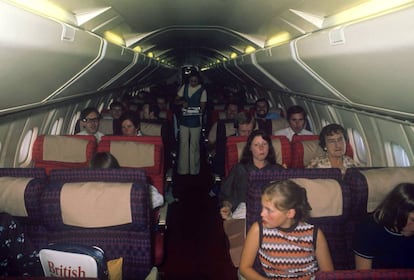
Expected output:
(114, 38)
(278, 38)
(150, 54)
(137, 49)
(47, 8)
(366, 9)
(249, 49)
(233, 55)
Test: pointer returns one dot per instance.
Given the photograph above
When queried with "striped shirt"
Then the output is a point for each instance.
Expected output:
(288, 253)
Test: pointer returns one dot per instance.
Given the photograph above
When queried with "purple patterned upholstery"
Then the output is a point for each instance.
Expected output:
(369, 274)
(334, 228)
(131, 241)
(33, 223)
(98, 175)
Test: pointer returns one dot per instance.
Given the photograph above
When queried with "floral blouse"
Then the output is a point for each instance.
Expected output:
(323, 162)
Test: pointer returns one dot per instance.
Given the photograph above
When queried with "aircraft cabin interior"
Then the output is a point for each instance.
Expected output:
(344, 62)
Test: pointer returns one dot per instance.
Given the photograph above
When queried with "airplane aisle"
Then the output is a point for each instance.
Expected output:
(196, 245)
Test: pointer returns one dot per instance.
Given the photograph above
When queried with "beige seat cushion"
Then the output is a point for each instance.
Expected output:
(278, 124)
(106, 126)
(151, 129)
(133, 154)
(96, 204)
(311, 149)
(381, 181)
(74, 151)
(324, 196)
(12, 195)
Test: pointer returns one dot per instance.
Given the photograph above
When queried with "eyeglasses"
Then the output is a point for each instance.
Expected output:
(334, 141)
(94, 120)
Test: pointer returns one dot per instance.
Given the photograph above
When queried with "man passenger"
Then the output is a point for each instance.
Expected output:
(261, 114)
(231, 110)
(296, 117)
(89, 123)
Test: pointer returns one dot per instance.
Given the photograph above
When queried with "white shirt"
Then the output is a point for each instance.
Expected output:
(288, 132)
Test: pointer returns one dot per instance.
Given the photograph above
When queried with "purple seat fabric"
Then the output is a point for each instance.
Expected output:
(99, 175)
(32, 224)
(334, 228)
(131, 241)
(369, 274)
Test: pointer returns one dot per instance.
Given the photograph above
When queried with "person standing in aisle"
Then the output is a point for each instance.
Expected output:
(193, 98)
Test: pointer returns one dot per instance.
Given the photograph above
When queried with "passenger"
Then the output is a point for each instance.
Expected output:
(17, 255)
(107, 160)
(162, 103)
(103, 160)
(150, 111)
(191, 95)
(89, 122)
(261, 115)
(296, 117)
(130, 124)
(117, 109)
(231, 109)
(386, 239)
(244, 124)
(287, 246)
(258, 154)
(332, 140)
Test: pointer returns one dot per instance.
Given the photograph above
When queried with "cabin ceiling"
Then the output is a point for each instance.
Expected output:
(183, 32)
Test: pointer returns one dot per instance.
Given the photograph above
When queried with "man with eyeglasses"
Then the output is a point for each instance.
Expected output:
(89, 123)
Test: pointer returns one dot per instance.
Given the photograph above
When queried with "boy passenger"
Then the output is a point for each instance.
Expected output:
(89, 123)
(296, 117)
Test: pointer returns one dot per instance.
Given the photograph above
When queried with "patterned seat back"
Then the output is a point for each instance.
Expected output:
(146, 152)
(317, 182)
(109, 208)
(63, 151)
(21, 189)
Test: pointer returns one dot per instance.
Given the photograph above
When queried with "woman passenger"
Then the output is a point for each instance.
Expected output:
(386, 240)
(130, 124)
(332, 140)
(258, 154)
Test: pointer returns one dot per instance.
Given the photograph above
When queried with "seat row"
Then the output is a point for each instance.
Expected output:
(146, 153)
(108, 208)
(295, 154)
(338, 205)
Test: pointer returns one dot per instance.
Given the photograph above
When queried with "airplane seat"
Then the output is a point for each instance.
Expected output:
(108, 208)
(20, 190)
(167, 115)
(235, 145)
(147, 153)
(369, 186)
(106, 126)
(48, 151)
(278, 124)
(330, 212)
(306, 147)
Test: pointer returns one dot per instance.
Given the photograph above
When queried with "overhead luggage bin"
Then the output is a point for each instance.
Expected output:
(103, 73)
(360, 61)
(248, 65)
(33, 48)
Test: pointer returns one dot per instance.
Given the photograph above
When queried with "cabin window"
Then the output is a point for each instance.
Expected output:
(399, 155)
(100, 107)
(25, 156)
(358, 143)
(57, 127)
(74, 121)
